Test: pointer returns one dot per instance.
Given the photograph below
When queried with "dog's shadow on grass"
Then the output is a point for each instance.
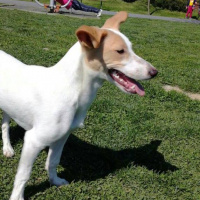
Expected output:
(87, 162)
(83, 161)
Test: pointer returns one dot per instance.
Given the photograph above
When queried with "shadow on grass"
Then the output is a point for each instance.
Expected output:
(195, 17)
(83, 161)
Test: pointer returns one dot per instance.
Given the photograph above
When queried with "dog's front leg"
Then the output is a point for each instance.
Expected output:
(31, 149)
(53, 159)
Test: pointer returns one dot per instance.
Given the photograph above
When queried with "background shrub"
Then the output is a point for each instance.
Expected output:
(173, 5)
(178, 5)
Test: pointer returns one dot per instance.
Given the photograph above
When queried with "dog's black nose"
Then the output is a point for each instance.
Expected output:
(153, 72)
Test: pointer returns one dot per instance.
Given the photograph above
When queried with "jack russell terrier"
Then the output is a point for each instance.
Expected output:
(49, 103)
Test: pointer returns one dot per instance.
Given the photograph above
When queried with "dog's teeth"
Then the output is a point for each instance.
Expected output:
(115, 73)
(121, 80)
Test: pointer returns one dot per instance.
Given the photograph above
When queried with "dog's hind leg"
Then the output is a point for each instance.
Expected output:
(53, 159)
(7, 148)
(31, 149)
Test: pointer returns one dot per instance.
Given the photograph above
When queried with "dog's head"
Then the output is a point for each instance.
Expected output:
(109, 52)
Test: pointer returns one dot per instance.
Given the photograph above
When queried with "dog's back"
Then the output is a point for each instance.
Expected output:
(18, 88)
(27, 91)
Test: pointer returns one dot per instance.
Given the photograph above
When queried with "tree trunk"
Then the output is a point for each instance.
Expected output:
(148, 7)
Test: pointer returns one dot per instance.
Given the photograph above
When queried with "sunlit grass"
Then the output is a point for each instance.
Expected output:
(131, 147)
(137, 7)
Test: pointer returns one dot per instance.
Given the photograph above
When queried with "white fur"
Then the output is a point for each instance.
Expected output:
(48, 103)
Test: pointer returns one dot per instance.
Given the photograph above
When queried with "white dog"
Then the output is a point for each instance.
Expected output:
(49, 103)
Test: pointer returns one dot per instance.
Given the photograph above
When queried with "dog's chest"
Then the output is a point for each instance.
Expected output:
(84, 104)
(78, 121)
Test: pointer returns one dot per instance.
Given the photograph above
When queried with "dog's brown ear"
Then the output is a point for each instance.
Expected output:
(115, 21)
(89, 36)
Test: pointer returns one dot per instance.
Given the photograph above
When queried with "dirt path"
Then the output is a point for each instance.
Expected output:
(33, 7)
(193, 96)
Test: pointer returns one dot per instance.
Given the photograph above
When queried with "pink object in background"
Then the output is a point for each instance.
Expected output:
(63, 2)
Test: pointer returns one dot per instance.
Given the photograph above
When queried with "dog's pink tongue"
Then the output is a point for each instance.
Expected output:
(134, 86)
(139, 89)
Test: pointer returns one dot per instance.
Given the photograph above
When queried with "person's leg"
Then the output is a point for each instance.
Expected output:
(76, 5)
(189, 11)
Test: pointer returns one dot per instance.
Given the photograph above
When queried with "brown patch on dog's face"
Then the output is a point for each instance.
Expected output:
(115, 51)
(90, 37)
(109, 52)
(112, 52)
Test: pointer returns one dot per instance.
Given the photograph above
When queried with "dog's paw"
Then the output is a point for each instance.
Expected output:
(8, 151)
(58, 182)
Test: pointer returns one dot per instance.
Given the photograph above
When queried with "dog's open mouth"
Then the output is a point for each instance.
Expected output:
(128, 84)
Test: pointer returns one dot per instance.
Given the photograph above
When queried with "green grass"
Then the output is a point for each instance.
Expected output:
(131, 147)
(139, 7)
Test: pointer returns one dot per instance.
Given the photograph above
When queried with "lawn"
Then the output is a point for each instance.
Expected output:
(131, 147)
(139, 7)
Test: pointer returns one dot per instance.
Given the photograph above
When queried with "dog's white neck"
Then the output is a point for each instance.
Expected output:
(85, 81)
(73, 63)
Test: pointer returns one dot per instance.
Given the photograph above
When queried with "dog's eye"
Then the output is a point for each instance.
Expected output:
(120, 51)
